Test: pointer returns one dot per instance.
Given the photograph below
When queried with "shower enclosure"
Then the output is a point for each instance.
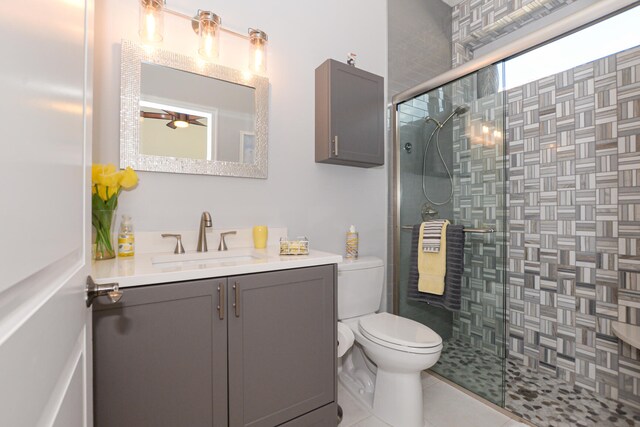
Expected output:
(450, 164)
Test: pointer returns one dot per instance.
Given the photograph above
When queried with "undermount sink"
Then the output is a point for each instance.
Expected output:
(237, 255)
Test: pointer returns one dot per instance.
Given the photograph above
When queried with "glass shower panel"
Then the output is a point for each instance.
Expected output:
(452, 166)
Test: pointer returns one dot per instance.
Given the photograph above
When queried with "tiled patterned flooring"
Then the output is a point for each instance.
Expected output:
(539, 398)
(445, 406)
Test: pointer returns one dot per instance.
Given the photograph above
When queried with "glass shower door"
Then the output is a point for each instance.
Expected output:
(452, 166)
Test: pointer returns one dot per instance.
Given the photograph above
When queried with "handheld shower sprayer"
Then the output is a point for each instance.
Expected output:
(458, 111)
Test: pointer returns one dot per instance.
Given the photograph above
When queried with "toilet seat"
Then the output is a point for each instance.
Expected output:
(399, 333)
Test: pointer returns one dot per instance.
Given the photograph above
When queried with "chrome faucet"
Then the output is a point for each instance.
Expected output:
(205, 222)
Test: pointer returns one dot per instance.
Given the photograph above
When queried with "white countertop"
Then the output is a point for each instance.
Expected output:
(145, 268)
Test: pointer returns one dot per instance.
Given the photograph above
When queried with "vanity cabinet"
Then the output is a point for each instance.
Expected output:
(253, 350)
(349, 116)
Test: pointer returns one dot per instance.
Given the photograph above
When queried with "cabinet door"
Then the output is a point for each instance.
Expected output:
(160, 357)
(282, 345)
(349, 115)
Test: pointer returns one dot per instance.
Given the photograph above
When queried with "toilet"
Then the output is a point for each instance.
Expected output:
(382, 367)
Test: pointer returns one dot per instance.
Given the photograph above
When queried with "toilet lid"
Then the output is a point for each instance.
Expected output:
(398, 331)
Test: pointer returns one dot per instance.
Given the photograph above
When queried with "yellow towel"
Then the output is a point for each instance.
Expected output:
(432, 267)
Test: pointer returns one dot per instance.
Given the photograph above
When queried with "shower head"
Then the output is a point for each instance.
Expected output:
(458, 111)
(461, 109)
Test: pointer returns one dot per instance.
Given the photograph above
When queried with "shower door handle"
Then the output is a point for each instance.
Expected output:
(335, 145)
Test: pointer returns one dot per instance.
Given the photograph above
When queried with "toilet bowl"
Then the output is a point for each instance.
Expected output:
(382, 369)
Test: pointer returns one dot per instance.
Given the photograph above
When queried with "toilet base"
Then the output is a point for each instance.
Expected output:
(398, 398)
(395, 398)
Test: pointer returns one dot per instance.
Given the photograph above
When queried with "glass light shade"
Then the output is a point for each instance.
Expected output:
(181, 124)
(209, 34)
(151, 23)
(258, 42)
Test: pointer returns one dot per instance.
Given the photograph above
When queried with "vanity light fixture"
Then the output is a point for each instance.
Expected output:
(208, 26)
(151, 20)
(258, 51)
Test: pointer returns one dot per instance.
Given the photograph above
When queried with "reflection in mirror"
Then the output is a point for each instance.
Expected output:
(172, 131)
(180, 115)
(180, 106)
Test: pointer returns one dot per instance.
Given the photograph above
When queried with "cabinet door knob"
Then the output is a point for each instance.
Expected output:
(111, 290)
(221, 301)
(236, 303)
(335, 145)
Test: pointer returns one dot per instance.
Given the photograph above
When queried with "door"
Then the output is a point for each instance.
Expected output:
(357, 115)
(281, 345)
(45, 156)
(160, 356)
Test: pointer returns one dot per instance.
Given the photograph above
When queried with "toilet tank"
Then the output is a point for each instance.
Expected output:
(360, 286)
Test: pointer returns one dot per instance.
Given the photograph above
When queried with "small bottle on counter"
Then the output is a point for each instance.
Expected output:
(126, 239)
(352, 243)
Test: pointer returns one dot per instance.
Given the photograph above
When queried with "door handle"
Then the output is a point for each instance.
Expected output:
(236, 303)
(335, 145)
(111, 290)
(221, 301)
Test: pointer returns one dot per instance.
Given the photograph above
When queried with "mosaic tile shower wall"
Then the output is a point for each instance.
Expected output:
(477, 22)
(574, 256)
(479, 201)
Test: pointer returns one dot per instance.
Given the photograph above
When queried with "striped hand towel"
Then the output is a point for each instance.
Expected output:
(431, 236)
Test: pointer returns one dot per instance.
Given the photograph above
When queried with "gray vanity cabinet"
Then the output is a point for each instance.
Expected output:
(253, 350)
(282, 345)
(349, 115)
(160, 357)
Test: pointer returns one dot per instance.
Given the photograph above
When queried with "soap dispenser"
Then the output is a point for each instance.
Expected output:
(126, 240)
(352, 243)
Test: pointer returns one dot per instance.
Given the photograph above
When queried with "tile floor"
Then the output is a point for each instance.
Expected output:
(445, 406)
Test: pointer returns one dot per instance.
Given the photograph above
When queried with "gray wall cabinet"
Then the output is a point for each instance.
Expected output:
(349, 116)
(253, 350)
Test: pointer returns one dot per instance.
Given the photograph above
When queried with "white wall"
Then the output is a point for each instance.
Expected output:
(312, 199)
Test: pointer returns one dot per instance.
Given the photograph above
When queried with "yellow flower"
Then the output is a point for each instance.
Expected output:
(105, 175)
(102, 192)
(105, 193)
(129, 178)
(96, 171)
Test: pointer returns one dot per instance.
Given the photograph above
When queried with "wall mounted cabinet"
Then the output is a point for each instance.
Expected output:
(253, 350)
(349, 116)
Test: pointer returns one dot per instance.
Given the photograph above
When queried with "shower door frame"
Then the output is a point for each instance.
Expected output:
(596, 12)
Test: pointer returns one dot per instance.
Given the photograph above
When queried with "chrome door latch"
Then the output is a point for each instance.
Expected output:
(111, 290)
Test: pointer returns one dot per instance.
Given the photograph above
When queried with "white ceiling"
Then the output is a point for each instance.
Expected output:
(452, 2)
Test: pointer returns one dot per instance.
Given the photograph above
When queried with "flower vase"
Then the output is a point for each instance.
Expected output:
(103, 222)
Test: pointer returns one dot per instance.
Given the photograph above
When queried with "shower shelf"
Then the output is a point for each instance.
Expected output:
(466, 230)
(627, 333)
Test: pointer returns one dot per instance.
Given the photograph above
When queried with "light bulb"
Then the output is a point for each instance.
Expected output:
(208, 30)
(150, 26)
(257, 61)
(181, 124)
(151, 21)
(257, 51)
(208, 45)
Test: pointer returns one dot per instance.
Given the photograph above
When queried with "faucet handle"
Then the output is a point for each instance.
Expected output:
(223, 245)
(179, 248)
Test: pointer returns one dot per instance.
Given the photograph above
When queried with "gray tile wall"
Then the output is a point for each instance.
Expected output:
(574, 215)
(479, 202)
(419, 49)
(477, 22)
(419, 42)
(574, 209)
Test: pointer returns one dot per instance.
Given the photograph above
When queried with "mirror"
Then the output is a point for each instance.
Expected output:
(181, 115)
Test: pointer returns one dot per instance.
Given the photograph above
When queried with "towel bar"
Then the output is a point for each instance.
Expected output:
(466, 230)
